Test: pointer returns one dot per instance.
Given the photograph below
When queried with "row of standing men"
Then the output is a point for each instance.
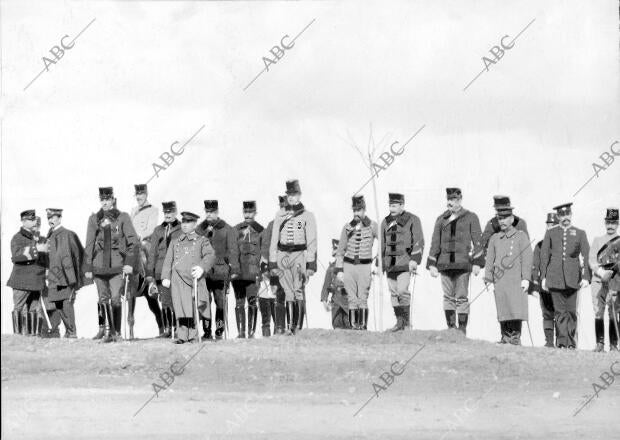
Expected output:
(128, 256)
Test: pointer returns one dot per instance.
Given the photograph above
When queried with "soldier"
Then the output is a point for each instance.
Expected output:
(500, 203)
(248, 236)
(509, 268)
(160, 241)
(609, 259)
(224, 241)
(110, 256)
(188, 259)
(354, 262)
(144, 219)
(28, 276)
(65, 277)
(292, 252)
(274, 282)
(600, 281)
(456, 251)
(546, 302)
(333, 295)
(402, 243)
(562, 274)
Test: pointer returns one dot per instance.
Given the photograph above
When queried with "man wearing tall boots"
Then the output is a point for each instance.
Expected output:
(333, 295)
(274, 282)
(354, 262)
(144, 218)
(110, 258)
(562, 274)
(292, 251)
(246, 286)
(160, 241)
(456, 251)
(601, 275)
(500, 203)
(509, 268)
(402, 244)
(609, 260)
(226, 268)
(546, 301)
(65, 276)
(28, 275)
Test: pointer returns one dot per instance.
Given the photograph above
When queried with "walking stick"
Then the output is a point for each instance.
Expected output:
(412, 284)
(527, 323)
(196, 317)
(124, 312)
(225, 310)
(49, 324)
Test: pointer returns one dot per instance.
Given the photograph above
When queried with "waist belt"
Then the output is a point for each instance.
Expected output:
(291, 247)
(358, 260)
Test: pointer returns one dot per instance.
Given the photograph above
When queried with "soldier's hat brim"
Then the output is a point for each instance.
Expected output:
(189, 217)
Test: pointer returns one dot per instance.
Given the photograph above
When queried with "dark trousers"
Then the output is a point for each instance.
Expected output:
(63, 310)
(565, 307)
(245, 289)
(217, 289)
(280, 306)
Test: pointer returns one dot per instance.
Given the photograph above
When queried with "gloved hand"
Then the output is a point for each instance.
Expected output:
(434, 272)
(88, 275)
(42, 247)
(197, 272)
(604, 274)
(475, 269)
(525, 284)
(165, 283)
(535, 293)
(544, 285)
(413, 266)
(340, 277)
(127, 269)
(327, 305)
(584, 284)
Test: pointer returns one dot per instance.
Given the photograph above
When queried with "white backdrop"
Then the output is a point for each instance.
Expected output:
(147, 74)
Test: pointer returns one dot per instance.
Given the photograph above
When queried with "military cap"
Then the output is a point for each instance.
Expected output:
(501, 202)
(169, 206)
(335, 243)
(189, 217)
(51, 212)
(249, 206)
(358, 202)
(140, 188)
(563, 209)
(211, 205)
(106, 193)
(612, 215)
(396, 198)
(452, 193)
(282, 201)
(552, 218)
(28, 214)
(292, 186)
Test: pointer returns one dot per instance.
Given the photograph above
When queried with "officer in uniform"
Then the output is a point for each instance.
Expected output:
(249, 236)
(188, 259)
(292, 252)
(274, 282)
(546, 301)
(160, 242)
(333, 295)
(609, 259)
(501, 204)
(144, 218)
(28, 275)
(226, 268)
(402, 243)
(456, 251)
(354, 262)
(110, 256)
(601, 296)
(562, 274)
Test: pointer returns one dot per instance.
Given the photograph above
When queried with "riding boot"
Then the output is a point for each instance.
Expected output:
(406, 317)
(290, 310)
(101, 319)
(219, 322)
(117, 318)
(450, 318)
(302, 313)
(398, 312)
(353, 318)
(463, 317)
(32, 319)
(272, 310)
(265, 316)
(37, 323)
(17, 323)
(252, 317)
(363, 313)
(613, 336)
(206, 327)
(24, 320)
(165, 324)
(240, 318)
(280, 318)
(156, 310)
(599, 333)
(549, 336)
(109, 323)
(131, 308)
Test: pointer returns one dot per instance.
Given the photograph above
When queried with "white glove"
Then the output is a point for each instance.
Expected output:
(476, 270)
(413, 266)
(535, 293)
(434, 272)
(525, 284)
(197, 271)
(42, 247)
(544, 284)
(165, 283)
(127, 269)
(584, 284)
(604, 274)
(327, 305)
(340, 277)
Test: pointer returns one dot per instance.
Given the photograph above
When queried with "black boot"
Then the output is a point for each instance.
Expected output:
(206, 327)
(109, 324)
(24, 326)
(502, 330)
(265, 315)
(118, 321)
(398, 312)
(516, 332)
(156, 310)
(548, 326)
(450, 318)
(463, 322)
(131, 307)
(38, 324)
(599, 333)
(280, 318)
(302, 313)
(101, 319)
(252, 317)
(406, 317)
(363, 323)
(165, 331)
(290, 311)
(613, 336)
(353, 318)
(219, 322)
(32, 323)
(17, 323)
(240, 318)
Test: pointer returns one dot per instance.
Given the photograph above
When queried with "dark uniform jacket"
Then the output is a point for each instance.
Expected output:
(111, 243)
(265, 242)
(536, 284)
(609, 259)
(159, 246)
(456, 244)
(559, 255)
(65, 260)
(224, 241)
(249, 242)
(402, 241)
(493, 227)
(28, 270)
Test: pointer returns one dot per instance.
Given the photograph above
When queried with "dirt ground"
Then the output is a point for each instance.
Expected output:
(308, 386)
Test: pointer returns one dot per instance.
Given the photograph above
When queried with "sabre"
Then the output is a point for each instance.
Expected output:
(412, 284)
(195, 298)
(613, 309)
(124, 311)
(49, 324)
(527, 323)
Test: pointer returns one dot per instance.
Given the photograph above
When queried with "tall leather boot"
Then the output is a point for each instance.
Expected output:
(17, 322)
(406, 317)
(117, 319)
(25, 327)
(272, 308)
(165, 324)
(450, 318)
(363, 323)
(206, 327)
(131, 308)
(398, 311)
(280, 318)
(302, 313)
(240, 318)
(101, 320)
(290, 310)
(353, 318)
(219, 322)
(32, 323)
(109, 323)
(463, 317)
(548, 326)
(156, 310)
(252, 317)
(265, 316)
(38, 324)
(599, 334)
(613, 336)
